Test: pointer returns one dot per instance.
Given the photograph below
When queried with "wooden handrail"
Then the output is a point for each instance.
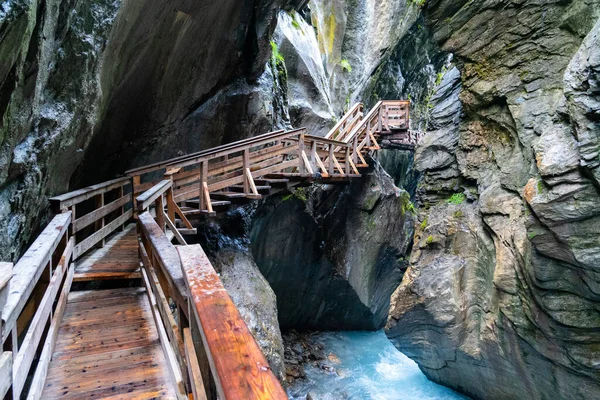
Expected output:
(52, 252)
(231, 147)
(64, 201)
(237, 363)
(29, 268)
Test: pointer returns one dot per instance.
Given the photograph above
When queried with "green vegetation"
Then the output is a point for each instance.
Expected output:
(276, 55)
(458, 214)
(457, 198)
(297, 194)
(419, 3)
(346, 65)
(424, 224)
(540, 186)
(295, 22)
(531, 235)
(429, 240)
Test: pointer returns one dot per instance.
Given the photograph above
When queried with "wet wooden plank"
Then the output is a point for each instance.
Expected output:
(240, 369)
(108, 347)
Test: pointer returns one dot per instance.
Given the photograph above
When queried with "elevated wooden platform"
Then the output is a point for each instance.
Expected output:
(108, 348)
(118, 259)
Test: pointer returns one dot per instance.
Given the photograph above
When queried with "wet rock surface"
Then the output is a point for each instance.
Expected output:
(500, 298)
(334, 254)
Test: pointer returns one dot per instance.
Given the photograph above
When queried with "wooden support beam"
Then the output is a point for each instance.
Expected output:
(193, 366)
(250, 183)
(307, 165)
(174, 229)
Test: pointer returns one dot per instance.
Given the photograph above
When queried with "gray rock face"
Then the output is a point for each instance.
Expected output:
(333, 256)
(501, 298)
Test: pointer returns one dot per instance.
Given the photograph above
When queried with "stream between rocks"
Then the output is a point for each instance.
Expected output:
(354, 365)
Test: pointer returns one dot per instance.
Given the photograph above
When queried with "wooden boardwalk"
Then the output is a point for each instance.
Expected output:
(177, 334)
(108, 346)
(118, 259)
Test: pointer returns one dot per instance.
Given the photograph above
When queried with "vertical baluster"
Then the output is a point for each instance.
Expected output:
(100, 223)
(160, 213)
(313, 156)
(331, 165)
(348, 168)
(246, 168)
(301, 167)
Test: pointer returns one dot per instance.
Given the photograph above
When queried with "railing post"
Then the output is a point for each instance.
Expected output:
(100, 223)
(355, 149)
(135, 182)
(348, 168)
(331, 164)
(246, 168)
(301, 167)
(313, 156)
(160, 213)
(120, 193)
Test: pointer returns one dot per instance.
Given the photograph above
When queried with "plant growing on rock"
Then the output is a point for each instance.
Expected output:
(276, 55)
(457, 198)
(346, 65)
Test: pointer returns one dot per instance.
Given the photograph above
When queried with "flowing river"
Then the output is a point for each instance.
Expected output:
(367, 366)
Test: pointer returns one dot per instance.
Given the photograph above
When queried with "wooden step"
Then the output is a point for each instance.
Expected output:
(234, 197)
(215, 203)
(272, 182)
(260, 189)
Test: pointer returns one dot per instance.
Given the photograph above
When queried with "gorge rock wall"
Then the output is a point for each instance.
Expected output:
(334, 254)
(501, 299)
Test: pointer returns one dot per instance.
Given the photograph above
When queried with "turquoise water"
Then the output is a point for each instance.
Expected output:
(367, 366)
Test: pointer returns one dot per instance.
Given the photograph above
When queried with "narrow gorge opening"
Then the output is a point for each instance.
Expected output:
(420, 222)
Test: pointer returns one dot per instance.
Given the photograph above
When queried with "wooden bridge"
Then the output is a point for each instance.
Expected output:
(167, 328)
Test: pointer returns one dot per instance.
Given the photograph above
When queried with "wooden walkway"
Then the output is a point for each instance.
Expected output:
(108, 348)
(178, 334)
(118, 259)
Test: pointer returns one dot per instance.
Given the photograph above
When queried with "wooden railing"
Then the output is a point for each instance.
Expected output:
(239, 164)
(161, 197)
(208, 346)
(351, 119)
(97, 211)
(37, 297)
(6, 357)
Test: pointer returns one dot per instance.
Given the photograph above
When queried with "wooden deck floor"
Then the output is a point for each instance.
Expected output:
(118, 259)
(108, 348)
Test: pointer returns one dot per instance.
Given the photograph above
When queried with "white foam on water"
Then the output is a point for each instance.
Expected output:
(370, 368)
